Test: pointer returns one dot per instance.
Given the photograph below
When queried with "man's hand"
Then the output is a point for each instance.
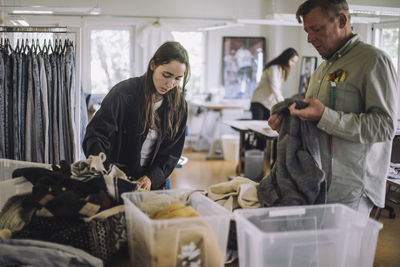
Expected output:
(145, 183)
(275, 122)
(313, 112)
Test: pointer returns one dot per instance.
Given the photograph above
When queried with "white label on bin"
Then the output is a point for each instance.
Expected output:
(287, 212)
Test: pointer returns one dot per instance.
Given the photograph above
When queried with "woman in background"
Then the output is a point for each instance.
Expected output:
(140, 125)
(268, 91)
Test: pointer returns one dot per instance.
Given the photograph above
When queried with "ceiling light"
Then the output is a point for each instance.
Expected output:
(18, 12)
(221, 26)
(278, 19)
(277, 22)
(34, 10)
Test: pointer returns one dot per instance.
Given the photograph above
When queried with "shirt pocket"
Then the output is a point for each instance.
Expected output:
(348, 98)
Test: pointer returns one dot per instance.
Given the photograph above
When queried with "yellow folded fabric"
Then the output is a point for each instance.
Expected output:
(176, 210)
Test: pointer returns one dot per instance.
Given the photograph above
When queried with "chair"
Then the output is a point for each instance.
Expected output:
(182, 161)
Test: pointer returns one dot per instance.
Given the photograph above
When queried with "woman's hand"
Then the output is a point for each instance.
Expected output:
(145, 183)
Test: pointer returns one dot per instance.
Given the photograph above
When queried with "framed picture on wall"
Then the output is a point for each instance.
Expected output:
(308, 65)
(243, 59)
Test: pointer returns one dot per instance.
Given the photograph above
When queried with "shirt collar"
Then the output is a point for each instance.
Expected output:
(345, 48)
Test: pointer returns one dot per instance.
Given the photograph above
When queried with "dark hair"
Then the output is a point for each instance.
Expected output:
(283, 60)
(166, 53)
(330, 7)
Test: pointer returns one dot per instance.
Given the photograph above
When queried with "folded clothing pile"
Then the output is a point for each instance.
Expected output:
(77, 205)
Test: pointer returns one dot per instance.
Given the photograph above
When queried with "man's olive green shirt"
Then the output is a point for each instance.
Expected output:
(362, 124)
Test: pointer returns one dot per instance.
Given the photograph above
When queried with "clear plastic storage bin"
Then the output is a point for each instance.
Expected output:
(10, 187)
(7, 166)
(200, 241)
(321, 235)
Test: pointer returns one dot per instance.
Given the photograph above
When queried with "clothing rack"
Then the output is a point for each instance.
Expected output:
(15, 34)
(33, 29)
(60, 33)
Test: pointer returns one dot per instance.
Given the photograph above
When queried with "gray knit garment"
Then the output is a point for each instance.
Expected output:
(297, 177)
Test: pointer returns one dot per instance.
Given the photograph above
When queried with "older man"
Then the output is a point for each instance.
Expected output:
(353, 96)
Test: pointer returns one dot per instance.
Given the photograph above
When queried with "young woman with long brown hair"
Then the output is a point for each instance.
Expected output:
(141, 123)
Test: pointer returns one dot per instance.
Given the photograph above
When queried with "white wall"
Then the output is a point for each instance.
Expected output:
(191, 14)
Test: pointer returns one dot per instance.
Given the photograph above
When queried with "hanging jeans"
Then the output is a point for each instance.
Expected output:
(20, 96)
(8, 105)
(55, 107)
(24, 86)
(61, 111)
(30, 114)
(69, 63)
(39, 114)
(2, 111)
(14, 107)
(37, 103)
(43, 88)
(49, 79)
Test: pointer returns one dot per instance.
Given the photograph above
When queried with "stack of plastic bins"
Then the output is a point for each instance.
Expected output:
(321, 235)
(201, 241)
(9, 186)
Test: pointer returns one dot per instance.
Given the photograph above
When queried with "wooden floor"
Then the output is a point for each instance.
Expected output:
(199, 173)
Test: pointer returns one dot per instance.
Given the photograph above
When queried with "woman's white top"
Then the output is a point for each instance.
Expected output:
(268, 91)
(148, 145)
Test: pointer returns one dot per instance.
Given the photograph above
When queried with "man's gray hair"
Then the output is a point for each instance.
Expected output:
(330, 7)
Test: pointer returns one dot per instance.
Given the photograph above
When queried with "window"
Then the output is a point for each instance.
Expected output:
(386, 37)
(194, 44)
(109, 58)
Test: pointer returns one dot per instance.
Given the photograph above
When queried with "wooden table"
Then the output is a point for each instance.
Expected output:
(258, 126)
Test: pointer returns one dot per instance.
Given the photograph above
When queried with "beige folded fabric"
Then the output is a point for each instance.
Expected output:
(240, 192)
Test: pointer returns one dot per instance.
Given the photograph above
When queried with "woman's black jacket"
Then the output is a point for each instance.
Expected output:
(114, 130)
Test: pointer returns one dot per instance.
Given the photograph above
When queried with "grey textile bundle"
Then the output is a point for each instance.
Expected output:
(297, 177)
